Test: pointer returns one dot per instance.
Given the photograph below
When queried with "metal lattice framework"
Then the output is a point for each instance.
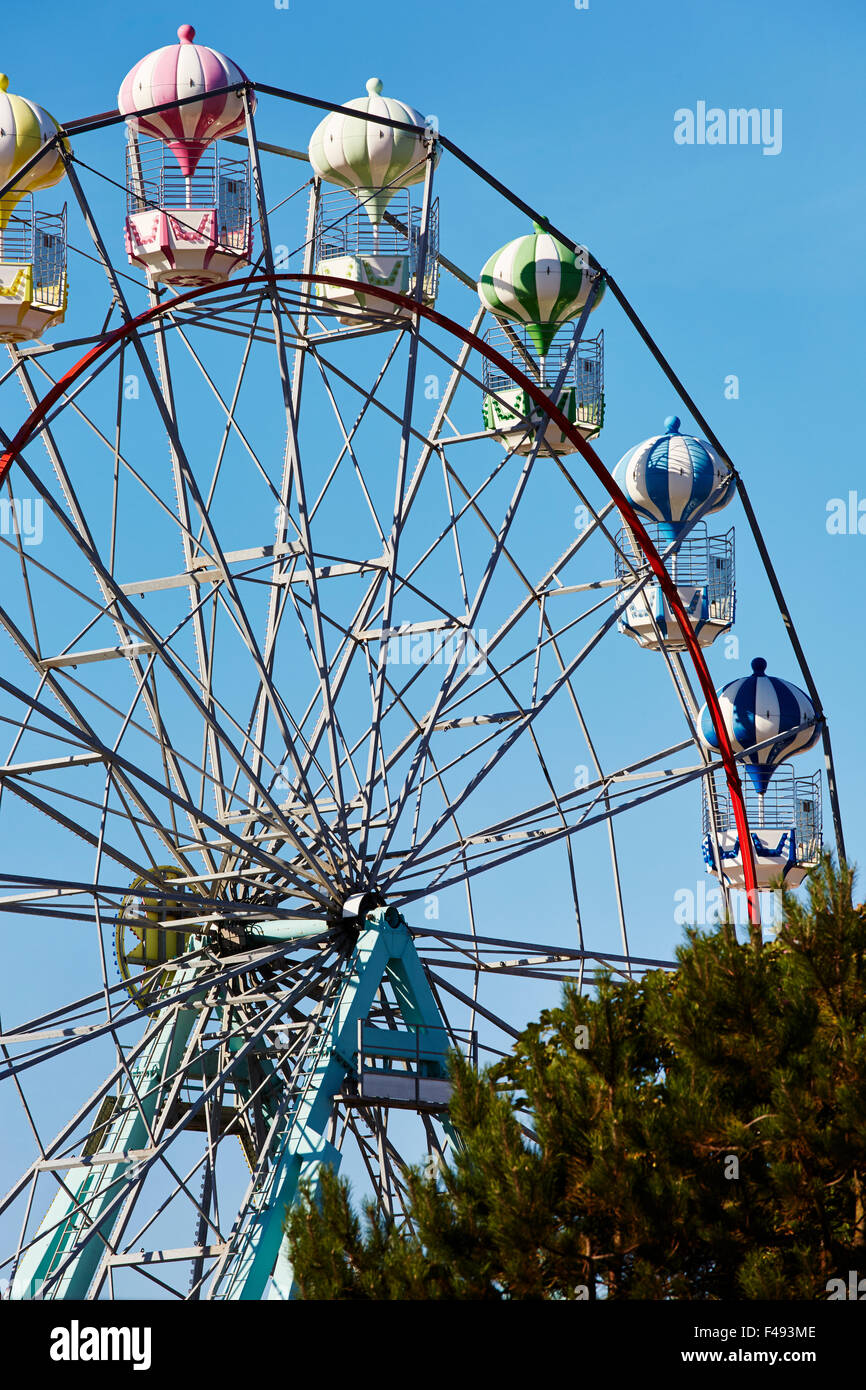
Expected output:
(299, 664)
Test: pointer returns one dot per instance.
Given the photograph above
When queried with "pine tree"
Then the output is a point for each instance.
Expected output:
(700, 1134)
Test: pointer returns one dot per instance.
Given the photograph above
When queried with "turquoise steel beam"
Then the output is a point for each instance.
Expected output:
(91, 1188)
(260, 1252)
(276, 933)
(86, 1209)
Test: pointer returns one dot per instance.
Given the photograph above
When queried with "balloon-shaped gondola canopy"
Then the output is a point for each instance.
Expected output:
(760, 707)
(373, 161)
(537, 280)
(24, 129)
(672, 477)
(180, 70)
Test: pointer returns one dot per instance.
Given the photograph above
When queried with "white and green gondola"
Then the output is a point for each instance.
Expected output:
(368, 229)
(536, 287)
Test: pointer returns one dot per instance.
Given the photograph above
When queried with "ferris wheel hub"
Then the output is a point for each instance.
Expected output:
(351, 910)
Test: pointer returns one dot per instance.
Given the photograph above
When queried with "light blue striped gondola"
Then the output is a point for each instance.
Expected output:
(672, 478)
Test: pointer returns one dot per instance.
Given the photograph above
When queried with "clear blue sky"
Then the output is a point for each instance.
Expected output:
(740, 263)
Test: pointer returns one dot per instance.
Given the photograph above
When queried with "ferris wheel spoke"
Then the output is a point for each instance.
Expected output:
(536, 839)
(81, 534)
(230, 409)
(458, 553)
(480, 847)
(293, 480)
(529, 654)
(451, 527)
(95, 805)
(466, 754)
(189, 486)
(176, 667)
(146, 682)
(70, 759)
(346, 759)
(140, 481)
(363, 615)
(614, 857)
(341, 663)
(186, 490)
(35, 1030)
(428, 443)
(524, 607)
(531, 821)
(503, 717)
(22, 560)
(470, 623)
(349, 435)
(68, 399)
(318, 654)
(337, 373)
(347, 448)
(154, 821)
(219, 709)
(170, 841)
(55, 1148)
(637, 771)
(533, 594)
(125, 770)
(436, 775)
(490, 949)
(470, 906)
(219, 316)
(473, 1004)
(423, 741)
(21, 727)
(519, 726)
(520, 709)
(53, 812)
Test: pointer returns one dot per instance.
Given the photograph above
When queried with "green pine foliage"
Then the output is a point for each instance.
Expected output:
(698, 1135)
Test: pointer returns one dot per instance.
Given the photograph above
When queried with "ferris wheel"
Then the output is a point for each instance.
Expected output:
(321, 749)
